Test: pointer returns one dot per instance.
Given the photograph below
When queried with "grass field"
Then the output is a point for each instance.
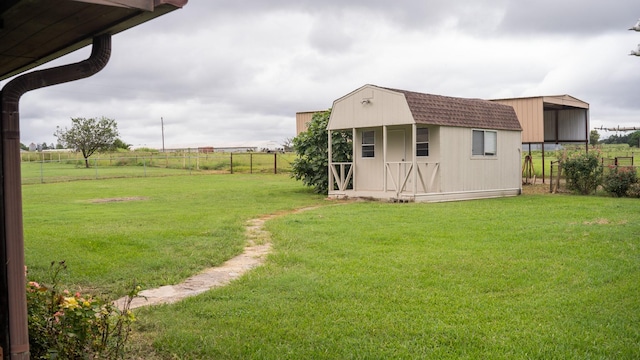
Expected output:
(535, 276)
(40, 168)
(155, 230)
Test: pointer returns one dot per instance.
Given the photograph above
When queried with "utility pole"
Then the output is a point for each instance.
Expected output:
(162, 125)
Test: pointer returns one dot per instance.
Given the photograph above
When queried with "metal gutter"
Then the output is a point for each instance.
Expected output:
(12, 237)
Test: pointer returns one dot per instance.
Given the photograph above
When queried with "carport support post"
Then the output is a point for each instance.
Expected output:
(543, 163)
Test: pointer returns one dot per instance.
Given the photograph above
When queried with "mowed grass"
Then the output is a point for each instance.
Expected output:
(537, 276)
(532, 277)
(156, 231)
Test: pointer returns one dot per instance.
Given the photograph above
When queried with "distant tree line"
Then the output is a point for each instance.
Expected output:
(632, 139)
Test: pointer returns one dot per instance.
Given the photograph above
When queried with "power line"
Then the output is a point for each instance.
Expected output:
(631, 128)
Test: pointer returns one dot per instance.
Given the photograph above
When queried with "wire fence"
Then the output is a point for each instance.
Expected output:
(557, 178)
(44, 167)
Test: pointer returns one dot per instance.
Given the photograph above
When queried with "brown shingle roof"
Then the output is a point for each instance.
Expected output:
(459, 112)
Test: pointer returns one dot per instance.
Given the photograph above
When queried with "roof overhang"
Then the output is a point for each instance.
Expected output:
(33, 32)
(563, 102)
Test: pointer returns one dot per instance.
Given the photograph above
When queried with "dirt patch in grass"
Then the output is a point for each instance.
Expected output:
(118, 199)
(535, 189)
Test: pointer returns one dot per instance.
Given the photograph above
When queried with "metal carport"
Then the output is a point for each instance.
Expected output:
(558, 119)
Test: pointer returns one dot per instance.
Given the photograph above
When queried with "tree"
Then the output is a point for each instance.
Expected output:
(119, 144)
(88, 135)
(312, 148)
(287, 144)
(616, 139)
(634, 139)
(594, 136)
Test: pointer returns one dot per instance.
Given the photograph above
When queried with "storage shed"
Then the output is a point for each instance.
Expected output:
(410, 146)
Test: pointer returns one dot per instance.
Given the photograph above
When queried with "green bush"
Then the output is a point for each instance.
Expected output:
(63, 325)
(583, 172)
(312, 149)
(634, 190)
(618, 180)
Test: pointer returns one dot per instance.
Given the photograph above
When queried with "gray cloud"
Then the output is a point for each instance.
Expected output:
(227, 71)
(569, 16)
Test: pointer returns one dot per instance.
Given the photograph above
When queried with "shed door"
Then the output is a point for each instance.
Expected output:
(396, 155)
(395, 146)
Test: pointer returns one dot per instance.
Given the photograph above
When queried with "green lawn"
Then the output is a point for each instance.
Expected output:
(529, 277)
(174, 227)
(535, 276)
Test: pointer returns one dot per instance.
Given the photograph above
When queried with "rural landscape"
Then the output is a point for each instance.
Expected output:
(477, 196)
(535, 276)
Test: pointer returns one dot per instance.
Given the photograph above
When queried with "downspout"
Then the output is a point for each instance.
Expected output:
(12, 240)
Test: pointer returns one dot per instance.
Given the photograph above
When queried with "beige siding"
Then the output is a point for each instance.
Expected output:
(460, 172)
(370, 106)
(302, 121)
(566, 100)
(530, 114)
(368, 171)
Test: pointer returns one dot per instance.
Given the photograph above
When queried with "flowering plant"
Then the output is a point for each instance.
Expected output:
(619, 179)
(72, 326)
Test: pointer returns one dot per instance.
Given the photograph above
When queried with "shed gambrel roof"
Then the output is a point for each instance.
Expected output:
(459, 112)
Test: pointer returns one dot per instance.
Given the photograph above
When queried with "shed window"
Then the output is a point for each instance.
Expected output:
(368, 144)
(485, 143)
(422, 142)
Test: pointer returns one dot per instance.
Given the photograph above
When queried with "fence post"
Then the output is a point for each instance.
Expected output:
(275, 162)
(551, 176)
(41, 172)
(231, 162)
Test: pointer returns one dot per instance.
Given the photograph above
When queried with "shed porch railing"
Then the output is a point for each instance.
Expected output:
(342, 174)
(399, 172)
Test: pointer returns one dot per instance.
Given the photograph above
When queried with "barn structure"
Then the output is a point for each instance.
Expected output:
(410, 146)
(303, 118)
(559, 119)
(33, 32)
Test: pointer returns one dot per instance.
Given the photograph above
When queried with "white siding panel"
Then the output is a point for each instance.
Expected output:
(382, 107)
(368, 171)
(462, 172)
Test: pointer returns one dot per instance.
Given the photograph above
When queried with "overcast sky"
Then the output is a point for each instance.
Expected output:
(235, 72)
